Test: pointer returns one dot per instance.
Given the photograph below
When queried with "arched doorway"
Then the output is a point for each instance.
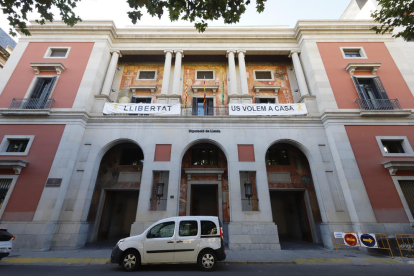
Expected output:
(204, 189)
(295, 207)
(115, 198)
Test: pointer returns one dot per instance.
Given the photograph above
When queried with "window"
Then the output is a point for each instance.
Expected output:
(162, 230)
(265, 100)
(353, 53)
(198, 110)
(5, 185)
(188, 228)
(132, 157)
(204, 156)
(208, 228)
(372, 94)
(40, 94)
(147, 75)
(141, 100)
(263, 75)
(277, 157)
(57, 52)
(393, 146)
(407, 187)
(17, 145)
(208, 75)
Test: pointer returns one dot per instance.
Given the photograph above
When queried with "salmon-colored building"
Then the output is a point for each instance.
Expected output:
(283, 133)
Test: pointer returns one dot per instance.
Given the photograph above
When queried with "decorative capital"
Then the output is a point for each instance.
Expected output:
(169, 51)
(294, 51)
(116, 51)
(231, 51)
(241, 52)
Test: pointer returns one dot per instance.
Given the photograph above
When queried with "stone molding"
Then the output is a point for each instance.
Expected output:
(363, 66)
(144, 87)
(204, 171)
(257, 88)
(209, 87)
(394, 166)
(386, 113)
(15, 164)
(47, 66)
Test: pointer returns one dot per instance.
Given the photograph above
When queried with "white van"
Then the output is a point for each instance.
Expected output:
(5, 243)
(174, 240)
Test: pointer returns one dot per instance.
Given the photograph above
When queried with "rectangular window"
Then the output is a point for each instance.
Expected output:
(372, 94)
(277, 157)
(58, 52)
(141, 100)
(265, 100)
(393, 146)
(208, 75)
(4, 188)
(353, 53)
(407, 187)
(17, 145)
(162, 230)
(263, 75)
(204, 157)
(147, 75)
(208, 228)
(188, 228)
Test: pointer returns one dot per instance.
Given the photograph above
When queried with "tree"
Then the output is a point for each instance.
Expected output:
(395, 14)
(198, 11)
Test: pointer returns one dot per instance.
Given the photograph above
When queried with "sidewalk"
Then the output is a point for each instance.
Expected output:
(312, 256)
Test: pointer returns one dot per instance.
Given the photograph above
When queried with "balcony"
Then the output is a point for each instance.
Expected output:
(29, 107)
(381, 108)
(208, 111)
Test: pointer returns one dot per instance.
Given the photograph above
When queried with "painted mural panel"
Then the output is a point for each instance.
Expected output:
(129, 77)
(280, 77)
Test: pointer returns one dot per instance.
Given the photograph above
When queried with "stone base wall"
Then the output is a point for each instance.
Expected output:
(30, 236)
(71, 235)
(246, 236)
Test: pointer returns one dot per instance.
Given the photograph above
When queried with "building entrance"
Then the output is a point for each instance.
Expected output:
(290, 215)
(204, 200)
(118, 214)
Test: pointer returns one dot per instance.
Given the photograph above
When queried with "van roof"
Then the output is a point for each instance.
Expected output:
(192, 217)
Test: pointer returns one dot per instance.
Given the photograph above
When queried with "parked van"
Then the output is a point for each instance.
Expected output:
(177, 240)
(5, 243)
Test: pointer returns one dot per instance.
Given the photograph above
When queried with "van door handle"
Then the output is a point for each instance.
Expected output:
(170, 242)
(179, 241)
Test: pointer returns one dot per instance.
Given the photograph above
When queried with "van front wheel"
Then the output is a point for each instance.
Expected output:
(207, 260)
(130, 260)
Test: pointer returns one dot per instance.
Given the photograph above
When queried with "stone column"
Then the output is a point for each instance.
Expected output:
(106, 88)
(303, 87)
(242, 70)
(232, 72)
(167, 72)
(177, 72)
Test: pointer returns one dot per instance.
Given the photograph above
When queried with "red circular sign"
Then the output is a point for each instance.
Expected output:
(350, 239)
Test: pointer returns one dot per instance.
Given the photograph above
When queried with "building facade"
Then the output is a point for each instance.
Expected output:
(70, 174)
(7, 45)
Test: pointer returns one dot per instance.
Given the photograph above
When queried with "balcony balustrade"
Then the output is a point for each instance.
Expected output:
(208, 111)
(32, 104)
(378, 104)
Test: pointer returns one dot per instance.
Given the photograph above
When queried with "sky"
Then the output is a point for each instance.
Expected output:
(277, 12)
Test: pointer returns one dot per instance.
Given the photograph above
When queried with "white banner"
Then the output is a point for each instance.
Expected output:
(267, 109)
(132, 108)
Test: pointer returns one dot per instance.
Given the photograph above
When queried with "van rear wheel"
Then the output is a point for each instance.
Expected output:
(130, 260)
(207, 260)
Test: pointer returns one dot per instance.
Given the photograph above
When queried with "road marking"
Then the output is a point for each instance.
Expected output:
(323, 261)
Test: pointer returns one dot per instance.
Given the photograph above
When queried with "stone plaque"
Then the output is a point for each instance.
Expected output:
(53, 182)
(280, 177)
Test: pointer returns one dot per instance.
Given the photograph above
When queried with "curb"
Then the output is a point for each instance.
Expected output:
(257, 262)
(57, 261)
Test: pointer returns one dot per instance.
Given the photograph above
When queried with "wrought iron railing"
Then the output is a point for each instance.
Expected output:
(378, 104)
(29, 103)
(208, 111)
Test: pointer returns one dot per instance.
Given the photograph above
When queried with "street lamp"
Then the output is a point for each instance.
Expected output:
(248, 188)
(160, 189)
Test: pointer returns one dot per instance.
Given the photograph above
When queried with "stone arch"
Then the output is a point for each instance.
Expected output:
(311, 195)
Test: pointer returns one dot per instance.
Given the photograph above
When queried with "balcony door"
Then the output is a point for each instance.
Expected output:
(41, 92)
(198, 109)
(372, 93)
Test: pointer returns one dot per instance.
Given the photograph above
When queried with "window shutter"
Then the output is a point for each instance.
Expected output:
(133, 100)
(38, 88)
(194, 111)
(358, 88)
(49, 89)
(210, 107)
(148, 100)
(380, 88)
(257, 100)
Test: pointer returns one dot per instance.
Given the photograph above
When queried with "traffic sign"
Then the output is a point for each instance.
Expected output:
(350, 239)
(368, 240)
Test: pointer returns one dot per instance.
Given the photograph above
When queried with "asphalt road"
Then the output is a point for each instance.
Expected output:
(236, 270)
